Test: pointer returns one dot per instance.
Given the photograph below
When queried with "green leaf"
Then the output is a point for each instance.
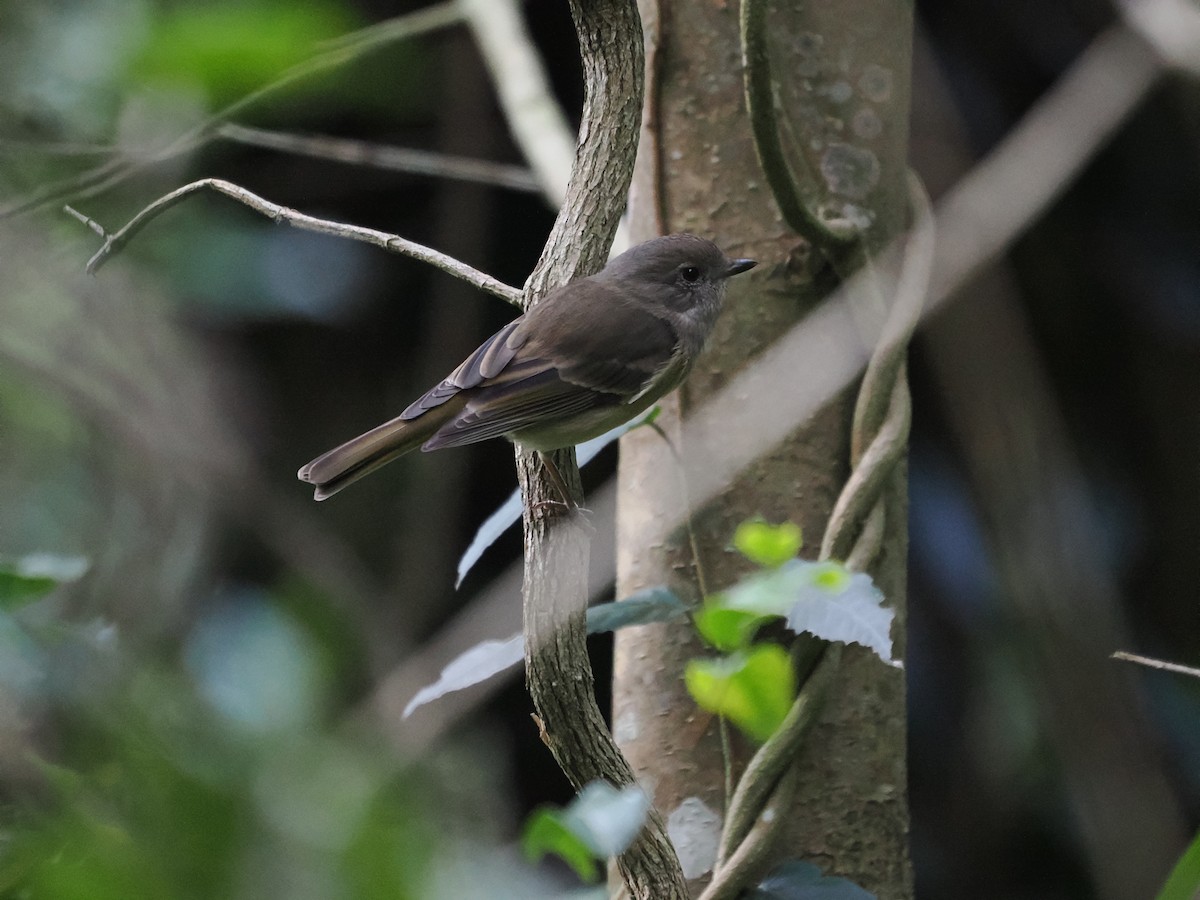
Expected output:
(753, 689)
(766, 544)
(607, 819)
(27, 578)
(656, 604)
(601, 822)
(728, 629)
(648, 418)
(821, 598)
(1184, 881)
(545, 832)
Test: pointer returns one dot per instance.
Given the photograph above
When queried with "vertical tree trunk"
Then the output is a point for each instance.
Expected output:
(841, 71)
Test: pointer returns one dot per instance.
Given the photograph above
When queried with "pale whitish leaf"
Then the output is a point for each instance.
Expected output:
(509, 512)
(607, 819)
(823, 598)
(507, 515)
(478, 664)
(854, 615)
(51, 565)
(492, 657)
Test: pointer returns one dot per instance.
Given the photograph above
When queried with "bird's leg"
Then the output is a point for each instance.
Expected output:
(560, 485)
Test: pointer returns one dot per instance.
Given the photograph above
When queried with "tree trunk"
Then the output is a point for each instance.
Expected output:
(841, 72)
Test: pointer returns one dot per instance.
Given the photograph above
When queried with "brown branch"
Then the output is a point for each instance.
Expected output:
(557, 668)
(115, 241)
(731, 877)
(772, 760)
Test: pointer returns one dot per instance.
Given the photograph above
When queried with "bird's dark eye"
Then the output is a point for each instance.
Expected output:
(690, 274)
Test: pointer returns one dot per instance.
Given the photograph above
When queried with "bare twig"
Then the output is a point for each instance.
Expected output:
(534, 115)
(115, 241)
(54, 148)
(381, 156)
(1153, 663)
(86, 220)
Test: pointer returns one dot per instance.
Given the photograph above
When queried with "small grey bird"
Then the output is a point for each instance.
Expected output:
(591, 356)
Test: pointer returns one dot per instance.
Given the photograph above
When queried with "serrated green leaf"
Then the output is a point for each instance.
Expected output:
(821, 598)
(753, 689)
(766, 544)
(728, 629)
(545, 832)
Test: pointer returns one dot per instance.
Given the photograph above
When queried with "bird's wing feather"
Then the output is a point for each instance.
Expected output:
(621, 350)
(526, 394)
(488, 360)
(543, 366)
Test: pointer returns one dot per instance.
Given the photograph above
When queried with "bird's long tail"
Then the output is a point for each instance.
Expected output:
(360, 456)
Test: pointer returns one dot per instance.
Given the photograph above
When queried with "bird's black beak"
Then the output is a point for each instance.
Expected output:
(738, 266)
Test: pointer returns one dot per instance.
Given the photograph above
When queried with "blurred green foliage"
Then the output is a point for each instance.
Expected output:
(232, 48)
(752, 688)
(160, 788)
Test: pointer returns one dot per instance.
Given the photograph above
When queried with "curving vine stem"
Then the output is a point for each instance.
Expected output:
(558, 672)
(882, 418)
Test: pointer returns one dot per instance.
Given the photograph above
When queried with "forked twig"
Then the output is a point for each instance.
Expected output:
(115, 241)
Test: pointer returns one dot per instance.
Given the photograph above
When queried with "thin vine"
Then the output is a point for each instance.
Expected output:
(882, 418)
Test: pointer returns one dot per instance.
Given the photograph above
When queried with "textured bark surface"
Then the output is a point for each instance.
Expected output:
(557, 668)
(842, 72)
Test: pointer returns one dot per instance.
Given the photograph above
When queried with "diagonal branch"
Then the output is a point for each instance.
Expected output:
(557, 668)
(115, 241)
(880, 436)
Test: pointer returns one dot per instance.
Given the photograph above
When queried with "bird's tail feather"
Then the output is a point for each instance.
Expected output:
(360, 456)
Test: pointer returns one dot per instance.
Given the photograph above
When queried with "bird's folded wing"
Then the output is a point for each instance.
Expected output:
(527, 394)
(488, 360)
(620, 350)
